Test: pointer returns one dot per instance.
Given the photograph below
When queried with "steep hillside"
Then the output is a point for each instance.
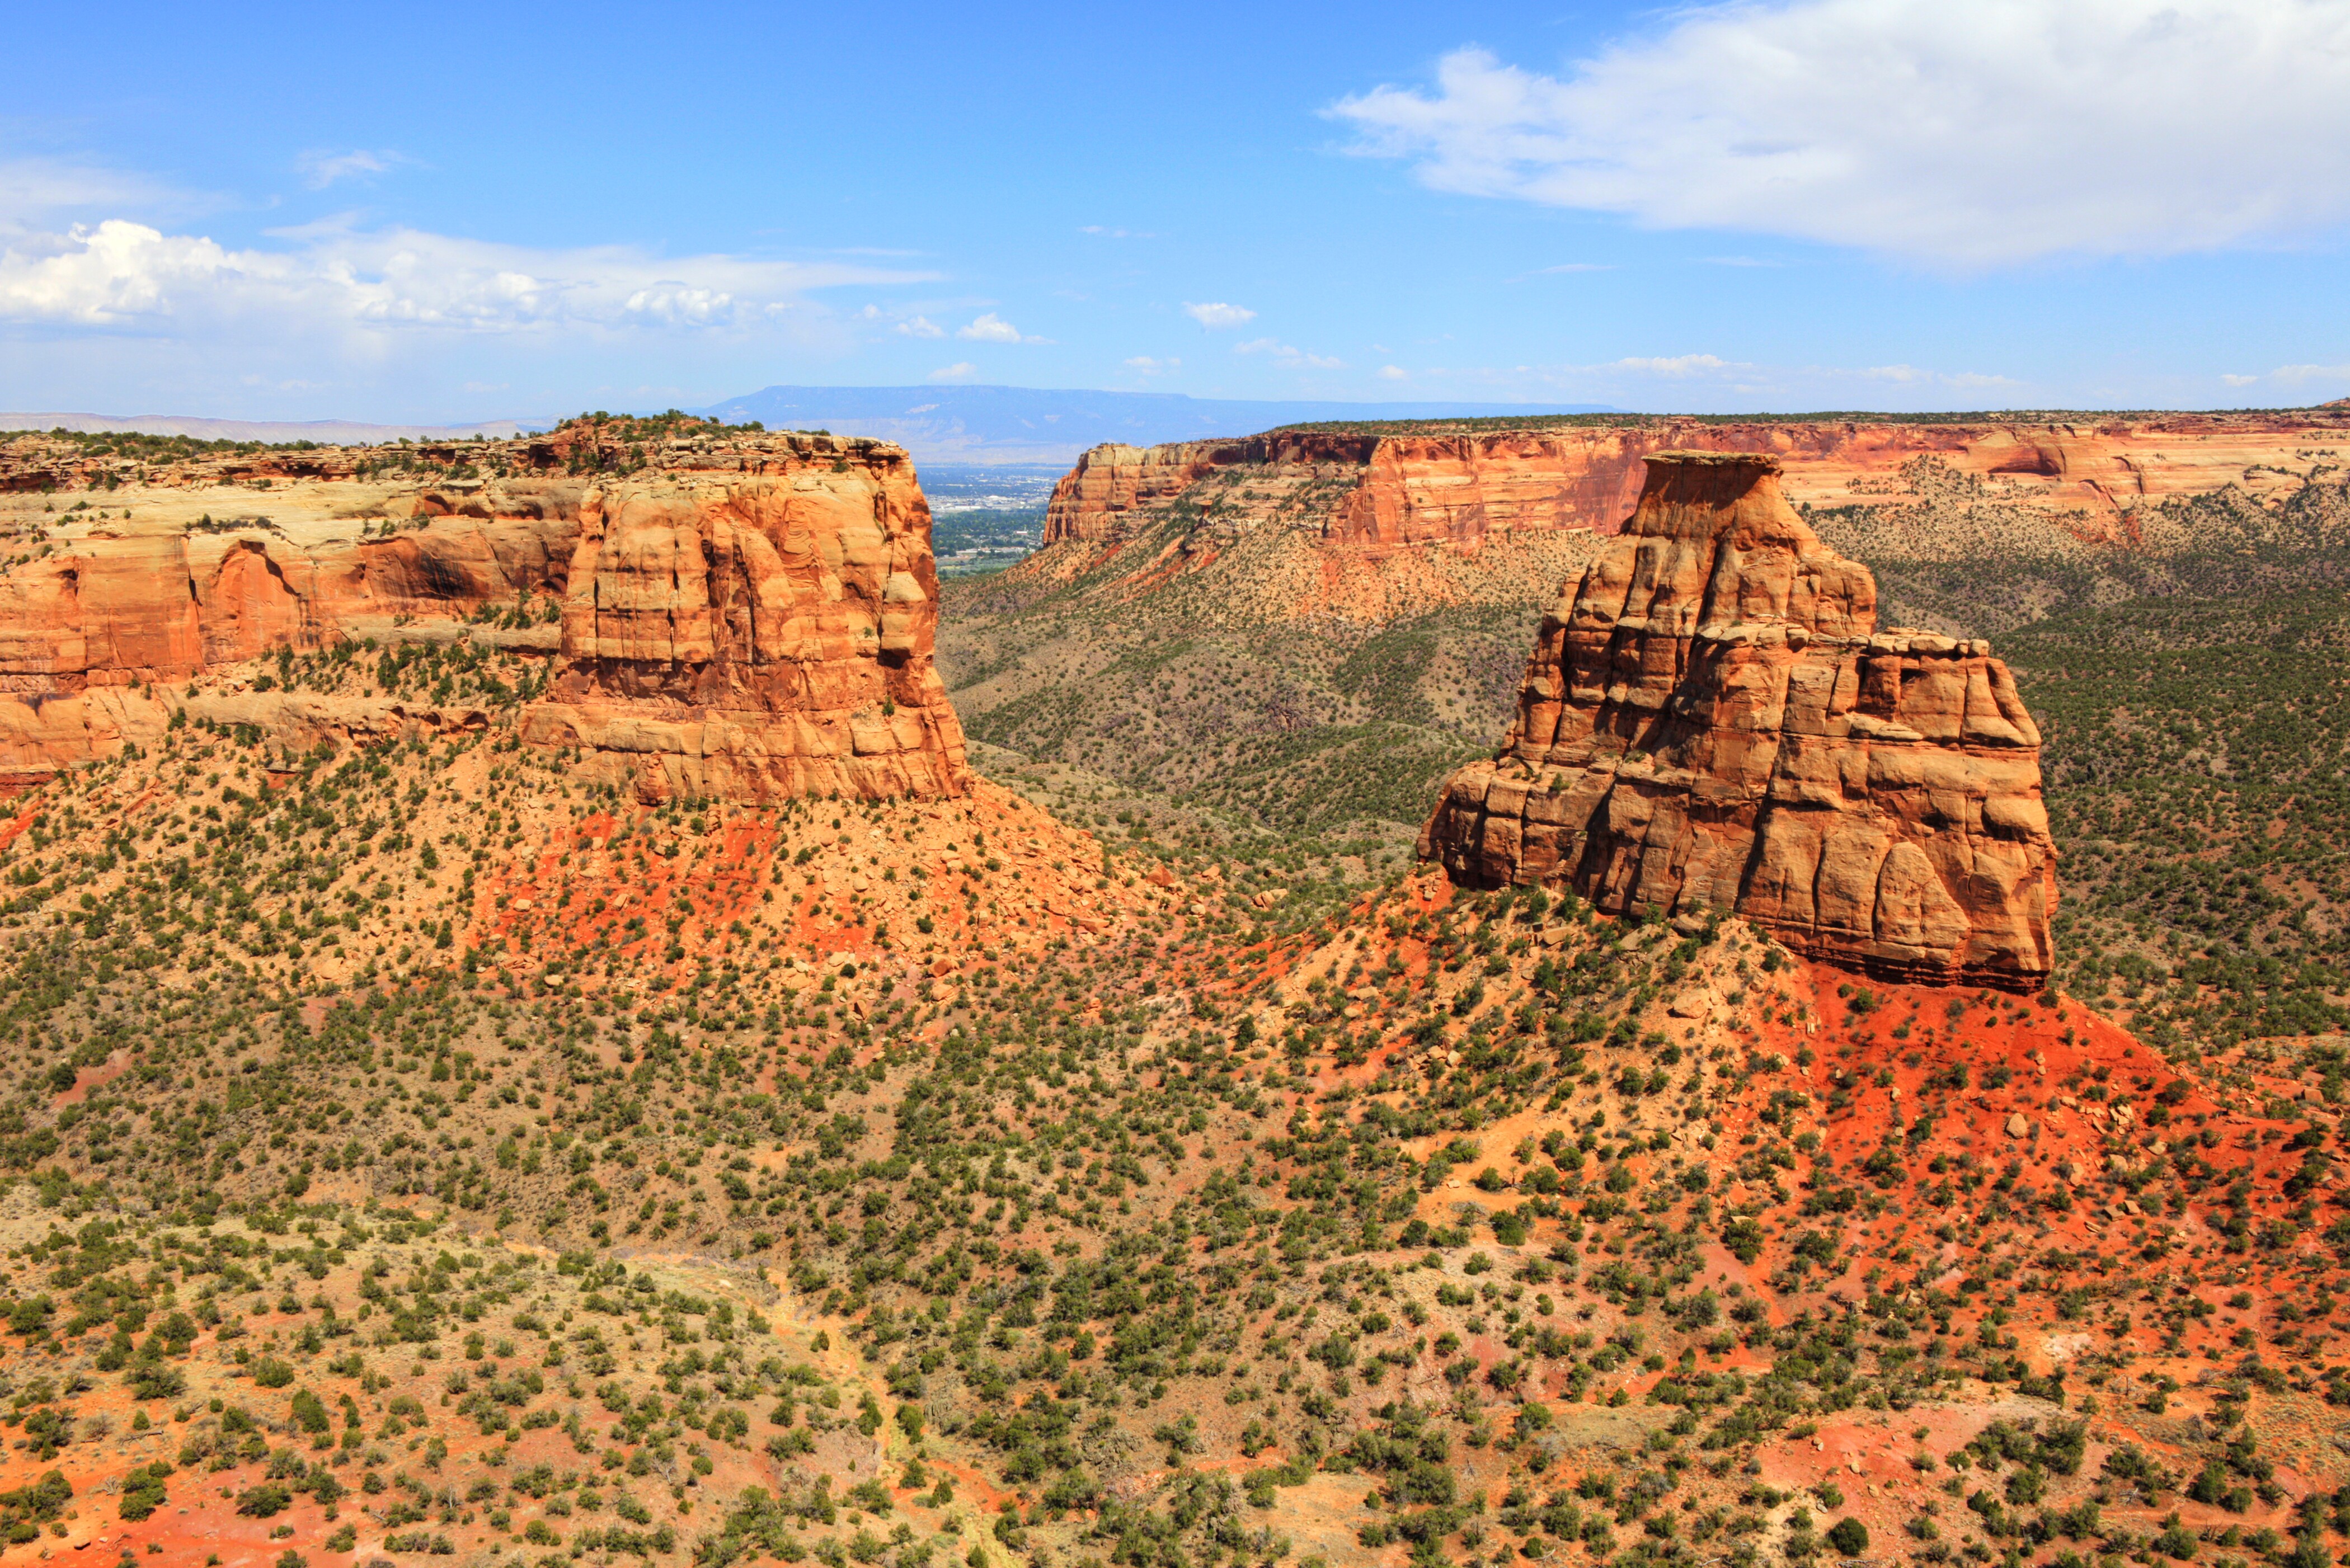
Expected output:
(2188, 685)
(421, 1142)
(1456, 1225)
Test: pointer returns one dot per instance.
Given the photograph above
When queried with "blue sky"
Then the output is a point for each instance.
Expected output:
(457, 212)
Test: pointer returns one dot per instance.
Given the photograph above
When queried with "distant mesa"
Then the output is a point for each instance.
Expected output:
(1457, 480)
(1389, 490)
(991, 426)
(324, 432)
(1031, 425)
(1712, 720)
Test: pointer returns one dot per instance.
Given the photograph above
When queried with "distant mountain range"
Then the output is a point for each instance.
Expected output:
(1028, 424)
(326, 432)
(984, 425)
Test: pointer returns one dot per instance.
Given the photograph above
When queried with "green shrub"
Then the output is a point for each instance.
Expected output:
(142, 1490)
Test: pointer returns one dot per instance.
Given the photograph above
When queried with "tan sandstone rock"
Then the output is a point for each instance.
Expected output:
(744, 617)
(1376, 492)
(1712, 720)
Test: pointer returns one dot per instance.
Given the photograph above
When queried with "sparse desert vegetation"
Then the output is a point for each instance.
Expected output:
(412, 1148)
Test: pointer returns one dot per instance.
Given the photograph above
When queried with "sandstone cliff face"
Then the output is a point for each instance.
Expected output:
(1387, 491)
(745, 620)
(1423, 506)
(772, 638)
(1712, 720)
(1373, 491)
(1091, 499)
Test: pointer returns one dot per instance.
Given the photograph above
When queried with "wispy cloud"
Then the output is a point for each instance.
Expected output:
(1673, 364)
(1915, 127)
(957, 371)
(34, 189)
(1146, 365)
(1713, 382)
(1102, 232)
(1394, 373)
(2293, 376)
(1216, 314)
(322, 169)
(1287, 357)
(919, 327)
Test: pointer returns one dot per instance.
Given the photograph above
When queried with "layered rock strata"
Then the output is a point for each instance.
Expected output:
(742, 619)
(1377, 491)
(772, 637)
(1713, 721)
(1373, 491)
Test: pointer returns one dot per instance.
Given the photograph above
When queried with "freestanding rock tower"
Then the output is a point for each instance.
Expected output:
(1712, 720)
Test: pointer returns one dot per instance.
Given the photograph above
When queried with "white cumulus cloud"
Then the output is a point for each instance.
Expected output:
(1972, 135)
(1394, 373)
(118, 273)
(1217, 314)
(919, 327)
(954, 372)
(991, 328)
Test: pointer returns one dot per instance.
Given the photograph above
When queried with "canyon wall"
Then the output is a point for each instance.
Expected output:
(1712, 720)
(1383, 491)
(1374, 491)
(746, 619)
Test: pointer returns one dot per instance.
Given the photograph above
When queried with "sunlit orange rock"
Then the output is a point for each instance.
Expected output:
(744, 617)
(1712, 720)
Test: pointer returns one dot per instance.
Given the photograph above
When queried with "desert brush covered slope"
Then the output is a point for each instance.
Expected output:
(423, 1139)
(1221, 668)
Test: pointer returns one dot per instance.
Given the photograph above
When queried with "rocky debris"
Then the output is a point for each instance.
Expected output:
(747, 619)
(1713, 721)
